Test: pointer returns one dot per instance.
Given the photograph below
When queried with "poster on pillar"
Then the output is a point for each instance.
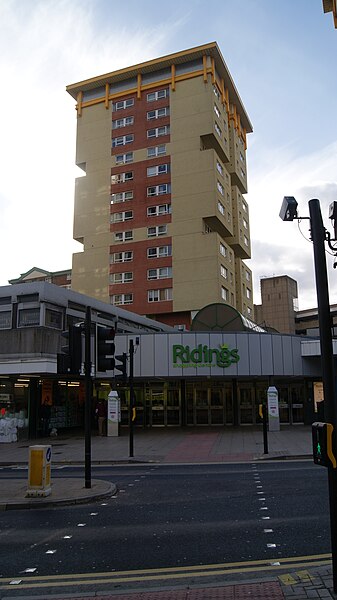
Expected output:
(113, 414)
(273, 411)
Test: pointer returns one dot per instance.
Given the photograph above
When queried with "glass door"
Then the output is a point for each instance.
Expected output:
(246, 397)
(173, 406)
(228, 396)
(216, 406)
(283, 400)
(157, 406)
(201, 406)
(297, 403)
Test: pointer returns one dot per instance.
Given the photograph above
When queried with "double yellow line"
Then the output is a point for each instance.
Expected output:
(164, 574)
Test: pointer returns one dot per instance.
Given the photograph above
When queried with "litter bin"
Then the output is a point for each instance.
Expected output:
(39, 471)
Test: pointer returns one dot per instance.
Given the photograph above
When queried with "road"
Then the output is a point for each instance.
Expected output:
(182, 519)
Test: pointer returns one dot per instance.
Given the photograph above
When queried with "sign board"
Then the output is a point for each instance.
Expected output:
(318, 394)
(114, 413)
(273, 409)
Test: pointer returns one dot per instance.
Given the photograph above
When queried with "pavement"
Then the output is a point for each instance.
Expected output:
(171, 446)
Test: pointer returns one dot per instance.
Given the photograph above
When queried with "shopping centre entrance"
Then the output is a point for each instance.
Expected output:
(177, 403)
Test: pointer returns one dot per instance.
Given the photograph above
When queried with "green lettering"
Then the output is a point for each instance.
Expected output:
(235, 355)
(181, 353)
(196, 354)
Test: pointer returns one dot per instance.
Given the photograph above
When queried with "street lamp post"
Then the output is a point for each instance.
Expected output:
(318, 236)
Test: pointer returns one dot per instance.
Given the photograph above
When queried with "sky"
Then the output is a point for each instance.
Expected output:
(282, 57)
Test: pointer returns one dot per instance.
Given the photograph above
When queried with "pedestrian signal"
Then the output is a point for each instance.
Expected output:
(322, 445)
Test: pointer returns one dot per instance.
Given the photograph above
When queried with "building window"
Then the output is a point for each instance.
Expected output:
(158, 131)
(119, 299)
(216, 92)
(216, 110)
(29, 317)
(245, 224)
(159, 295)
(160, 209)
(122, 140)
(245, 239)
(121, 197)
(220, 188)
(156, 231)
(247, 276)
(158, 190)
(159, 252)
(122, 177)
(223, 272)
(221, 208)
(122, 104)
(158, 170)
(159, 95)
(157, 114)
(156, 151)
(120, 257)
(122, 216)
(223, 250)
(219, 167)
(217, 129)
(248, 293)
(122, 277)
(5, 319)
(117, 123)
(123, 159)
(123, 236)
(161, 273)
(224, 293)
(53, 319)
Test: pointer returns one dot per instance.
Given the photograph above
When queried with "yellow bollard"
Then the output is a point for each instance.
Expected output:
(39, 472)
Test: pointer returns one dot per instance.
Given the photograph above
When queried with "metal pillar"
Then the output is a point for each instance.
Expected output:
(318, 236)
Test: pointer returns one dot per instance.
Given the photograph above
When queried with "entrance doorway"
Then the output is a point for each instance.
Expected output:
(208, 404)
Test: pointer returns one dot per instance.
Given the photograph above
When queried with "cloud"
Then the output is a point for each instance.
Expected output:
(280, 248)
(44, 46)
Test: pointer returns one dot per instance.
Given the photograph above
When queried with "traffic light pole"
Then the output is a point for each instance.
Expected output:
(318, 236)
(88, 395)
(131, 354)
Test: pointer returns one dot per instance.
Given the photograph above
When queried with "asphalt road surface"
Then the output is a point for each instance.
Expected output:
(184, 519)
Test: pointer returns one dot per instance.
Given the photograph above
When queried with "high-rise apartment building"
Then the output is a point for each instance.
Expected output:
(161, 211)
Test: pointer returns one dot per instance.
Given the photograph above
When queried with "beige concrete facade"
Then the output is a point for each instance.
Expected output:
(206, 149)
(279, 297)
(90, 270)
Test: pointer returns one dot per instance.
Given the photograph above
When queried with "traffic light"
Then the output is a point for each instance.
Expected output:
(70, 359)
(121, 366)
(105, 348)
(322, 436)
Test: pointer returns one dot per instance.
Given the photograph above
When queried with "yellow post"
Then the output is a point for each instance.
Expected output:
(39, 472)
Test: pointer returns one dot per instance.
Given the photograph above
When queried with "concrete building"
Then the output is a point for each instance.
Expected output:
(216, 377)
(60, 278)
(161, 211)
(279, 304)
